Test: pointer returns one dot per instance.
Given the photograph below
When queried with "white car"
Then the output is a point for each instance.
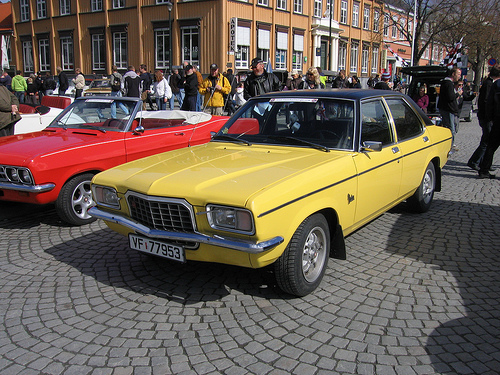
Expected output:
(37, 117)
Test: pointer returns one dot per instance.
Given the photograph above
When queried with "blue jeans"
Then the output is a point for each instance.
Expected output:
(160, 103)
(20, 96)
(123, 107)
(199, 101)
(449, 121)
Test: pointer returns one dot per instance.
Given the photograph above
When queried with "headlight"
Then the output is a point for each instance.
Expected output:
(106, 196)
(17, 175)
(230, 218)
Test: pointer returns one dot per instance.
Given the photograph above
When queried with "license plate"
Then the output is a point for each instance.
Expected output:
(161, 249)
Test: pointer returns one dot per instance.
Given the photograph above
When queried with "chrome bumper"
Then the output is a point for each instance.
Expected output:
(27, 188)
(230, 243)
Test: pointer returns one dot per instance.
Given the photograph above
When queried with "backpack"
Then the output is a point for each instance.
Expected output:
(115, 83)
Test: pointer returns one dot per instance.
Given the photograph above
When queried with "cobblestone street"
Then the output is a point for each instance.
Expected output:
(418, 294)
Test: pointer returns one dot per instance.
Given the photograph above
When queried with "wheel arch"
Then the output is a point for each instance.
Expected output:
(437, 169)
(337, 242)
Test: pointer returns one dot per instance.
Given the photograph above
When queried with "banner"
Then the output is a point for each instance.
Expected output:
(453, 57)
(5, 56)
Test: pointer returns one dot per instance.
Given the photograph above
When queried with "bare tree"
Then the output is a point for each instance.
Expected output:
(433, 18)
(477, 22)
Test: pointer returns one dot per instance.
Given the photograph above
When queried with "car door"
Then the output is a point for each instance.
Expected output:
(379, 172)
(159, 135)
(412, 140)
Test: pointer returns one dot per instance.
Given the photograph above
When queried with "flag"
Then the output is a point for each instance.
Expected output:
(269, 68)
(5, 57)
(454, 56)
(402, 61)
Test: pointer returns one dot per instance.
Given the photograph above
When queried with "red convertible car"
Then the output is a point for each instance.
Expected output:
(91, 135)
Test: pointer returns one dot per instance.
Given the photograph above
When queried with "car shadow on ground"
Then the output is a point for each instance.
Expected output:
(463, 241)
(15, 215)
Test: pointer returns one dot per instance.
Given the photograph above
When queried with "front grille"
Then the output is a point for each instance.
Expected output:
(162, 213)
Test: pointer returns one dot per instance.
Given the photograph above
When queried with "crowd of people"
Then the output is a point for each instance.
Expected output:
(223, 92)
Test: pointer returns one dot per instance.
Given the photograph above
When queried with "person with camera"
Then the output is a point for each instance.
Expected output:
(214, 87)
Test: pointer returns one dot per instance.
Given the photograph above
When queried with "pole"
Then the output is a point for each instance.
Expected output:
(330, 36)
(413, 33)
(169, 6)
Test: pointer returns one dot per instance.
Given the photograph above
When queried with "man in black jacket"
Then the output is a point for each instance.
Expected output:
(484, 123)
(63, 81)
(259, 81)
(190, 89)
(447, 103)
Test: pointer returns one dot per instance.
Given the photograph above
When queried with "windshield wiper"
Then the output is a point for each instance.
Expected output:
(299, 141)
(230, 138)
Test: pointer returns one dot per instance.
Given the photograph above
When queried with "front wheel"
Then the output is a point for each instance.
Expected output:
(421, 200)
(301, 267)
(74, 200)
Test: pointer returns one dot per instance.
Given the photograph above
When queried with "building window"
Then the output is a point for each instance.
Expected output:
(281, 4)
(343, 12)
(162, 48)
(190, 44)
(394, 28)
(297, 6)
(117, 4)
(318, 8)
(342, 54)
(355, 14)
(96, 5)
(24, 7)
(242, 57)
(375, 60)
(44, 54)
(263, 2)
(281, 50)
(365, 56)
(41, 9)
(120, 49)
(163, 1)
(386, 25)
(354, 57)
(67, 57)
(98, 52)
(330, 4)
(64, 7)
(366, 18)
(29, 67)
(376, 20)
(263, 44)
(298, 50)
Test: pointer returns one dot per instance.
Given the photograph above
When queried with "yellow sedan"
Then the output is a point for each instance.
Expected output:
(284, 181)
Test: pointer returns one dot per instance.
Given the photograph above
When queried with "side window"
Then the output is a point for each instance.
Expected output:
(375, 126)
(408, 124)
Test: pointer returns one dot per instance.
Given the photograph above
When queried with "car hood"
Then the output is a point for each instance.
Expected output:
(22, 149)
(224, 173)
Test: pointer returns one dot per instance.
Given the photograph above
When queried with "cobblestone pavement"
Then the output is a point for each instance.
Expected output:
(418, 294)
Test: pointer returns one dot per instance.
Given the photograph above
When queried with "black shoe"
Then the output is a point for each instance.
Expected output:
(486, 176)
(473, 166)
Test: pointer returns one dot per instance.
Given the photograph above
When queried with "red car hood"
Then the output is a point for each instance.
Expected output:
(20, 149)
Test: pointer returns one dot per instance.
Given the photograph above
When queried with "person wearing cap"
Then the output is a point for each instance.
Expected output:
(214, 87)
(294, 81)
(259, 81)
(383, 84)
(190, 89)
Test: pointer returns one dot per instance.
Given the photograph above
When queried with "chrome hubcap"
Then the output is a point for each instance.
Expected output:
(313, 256)
(82, 200)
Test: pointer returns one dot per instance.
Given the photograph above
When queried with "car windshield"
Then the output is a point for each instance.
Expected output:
(97, 113)
(100, 83)
(320, 123)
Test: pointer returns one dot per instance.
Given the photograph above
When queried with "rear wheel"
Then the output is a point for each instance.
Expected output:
(74, 200)
(421, 200)
(301, 267)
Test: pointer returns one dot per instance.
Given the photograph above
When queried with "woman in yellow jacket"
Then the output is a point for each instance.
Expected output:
(214, 87)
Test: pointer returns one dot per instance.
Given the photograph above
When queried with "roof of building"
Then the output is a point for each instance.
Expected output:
(6, 17)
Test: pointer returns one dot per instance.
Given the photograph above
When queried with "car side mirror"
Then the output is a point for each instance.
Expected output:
(139, 130)
(371, 146)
